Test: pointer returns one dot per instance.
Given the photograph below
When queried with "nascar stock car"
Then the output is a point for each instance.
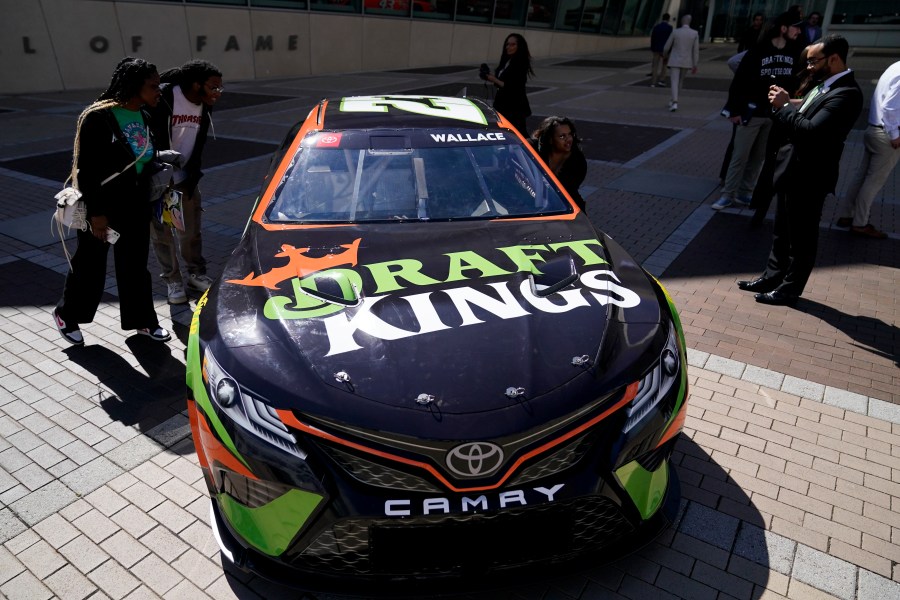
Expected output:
(423, 362)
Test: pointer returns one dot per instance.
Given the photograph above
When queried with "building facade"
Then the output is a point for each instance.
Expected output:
(52, 45)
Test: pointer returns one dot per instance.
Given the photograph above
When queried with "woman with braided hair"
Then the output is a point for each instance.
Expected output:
(557, 142)
(112, 148)
(181, 122)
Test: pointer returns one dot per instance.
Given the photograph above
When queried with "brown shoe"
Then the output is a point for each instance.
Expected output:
(844, 222)
(868, 231)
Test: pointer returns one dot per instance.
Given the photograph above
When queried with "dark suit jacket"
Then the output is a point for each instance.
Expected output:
(814, 139)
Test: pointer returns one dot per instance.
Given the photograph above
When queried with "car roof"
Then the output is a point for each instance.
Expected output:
(400, 111)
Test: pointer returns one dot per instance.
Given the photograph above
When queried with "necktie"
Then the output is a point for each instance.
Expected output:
(810, 96)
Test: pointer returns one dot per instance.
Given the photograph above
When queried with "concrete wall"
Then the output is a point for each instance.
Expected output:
(51, 45)
(867, 36)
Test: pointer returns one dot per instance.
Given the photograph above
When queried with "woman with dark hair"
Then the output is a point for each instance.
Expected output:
(181, 122)
(557, 142)
(509, 78)
(112, 149)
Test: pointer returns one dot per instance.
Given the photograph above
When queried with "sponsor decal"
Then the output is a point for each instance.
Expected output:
(460, 109)
(509, 299)
(458, 504)
(329, 140)
(468, 137)
(300, 265)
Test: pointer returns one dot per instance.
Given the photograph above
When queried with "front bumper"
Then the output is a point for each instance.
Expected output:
(455, 551)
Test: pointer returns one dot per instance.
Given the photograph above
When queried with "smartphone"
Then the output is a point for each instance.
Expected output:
(112, 236)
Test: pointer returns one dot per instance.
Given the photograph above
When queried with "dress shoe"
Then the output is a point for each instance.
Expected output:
(777, 298)
(844, 222)
(868, 231)
(760, 284)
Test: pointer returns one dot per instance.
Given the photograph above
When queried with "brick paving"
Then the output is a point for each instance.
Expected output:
(790, 459)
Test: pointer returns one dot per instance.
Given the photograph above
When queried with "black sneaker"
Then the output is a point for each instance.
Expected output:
(70, 334)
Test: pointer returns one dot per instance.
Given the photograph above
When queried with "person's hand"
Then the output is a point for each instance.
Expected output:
(736, 120)
(99, 225)
(895, 143)
(778, 96)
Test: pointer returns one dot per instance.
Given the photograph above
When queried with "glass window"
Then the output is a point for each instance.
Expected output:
(231, 2)
(593, 15)
(297, 4)
(540, 13)
(438, 183)
(510, 12)
(478, 11)
(859, 12)
(395, 8)
(350, 6)
(568, 17)
(433, 9)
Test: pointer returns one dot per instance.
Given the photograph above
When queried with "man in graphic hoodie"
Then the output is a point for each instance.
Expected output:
(770, 62)
(181, 122)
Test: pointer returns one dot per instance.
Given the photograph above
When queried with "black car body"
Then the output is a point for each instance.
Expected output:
(423, 362)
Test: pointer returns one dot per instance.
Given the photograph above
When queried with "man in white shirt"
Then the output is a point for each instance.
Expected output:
(882, 150)
(181, 122)
(683, 52)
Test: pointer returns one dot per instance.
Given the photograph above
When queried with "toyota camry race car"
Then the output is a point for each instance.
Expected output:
(423, 362)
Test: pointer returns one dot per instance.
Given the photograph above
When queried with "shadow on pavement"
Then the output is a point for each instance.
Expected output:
(869, 333)
(128, 395)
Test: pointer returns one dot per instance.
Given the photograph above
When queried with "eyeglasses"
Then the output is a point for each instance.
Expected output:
(811, 61)
(217, 90)
(565, 136)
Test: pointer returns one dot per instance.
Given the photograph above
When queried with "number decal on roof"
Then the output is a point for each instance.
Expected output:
(460, 109)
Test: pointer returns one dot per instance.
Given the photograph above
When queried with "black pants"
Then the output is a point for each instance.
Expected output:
(795, 240)
(85, 282)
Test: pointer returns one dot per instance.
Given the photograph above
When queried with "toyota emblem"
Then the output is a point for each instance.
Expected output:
(475, 459)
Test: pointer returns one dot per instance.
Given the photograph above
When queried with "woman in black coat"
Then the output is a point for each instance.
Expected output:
(112, 149)
(509, 78)
(557, 142)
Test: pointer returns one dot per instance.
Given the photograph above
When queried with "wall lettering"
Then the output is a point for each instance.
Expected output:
(99, 44)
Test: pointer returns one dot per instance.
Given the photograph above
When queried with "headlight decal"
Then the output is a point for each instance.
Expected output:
(271, 527)
(246, 410)
(657, 383)
(211, 448)
(204, 403)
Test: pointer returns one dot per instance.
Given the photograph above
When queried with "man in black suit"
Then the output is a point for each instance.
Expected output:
(806, 170)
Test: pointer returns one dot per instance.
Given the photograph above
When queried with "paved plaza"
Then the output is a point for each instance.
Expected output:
(790, 458)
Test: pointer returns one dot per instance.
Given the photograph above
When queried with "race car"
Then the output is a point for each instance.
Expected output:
(423, 363)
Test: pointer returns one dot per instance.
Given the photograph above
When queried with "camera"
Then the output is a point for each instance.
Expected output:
(484, 71)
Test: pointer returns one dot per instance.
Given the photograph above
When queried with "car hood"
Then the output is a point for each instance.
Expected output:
(444, 314)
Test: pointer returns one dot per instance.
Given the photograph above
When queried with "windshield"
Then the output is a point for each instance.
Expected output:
(389, 181)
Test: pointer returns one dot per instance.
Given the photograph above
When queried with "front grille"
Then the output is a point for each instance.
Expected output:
(466, 543)
(372, 473)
